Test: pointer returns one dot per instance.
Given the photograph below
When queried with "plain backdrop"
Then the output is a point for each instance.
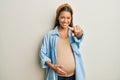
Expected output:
(23, 23)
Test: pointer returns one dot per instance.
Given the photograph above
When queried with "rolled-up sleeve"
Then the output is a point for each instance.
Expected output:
(44, 52)
(78, 40)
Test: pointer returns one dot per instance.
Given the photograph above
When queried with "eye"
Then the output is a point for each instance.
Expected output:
(68, 18)
(62, 17)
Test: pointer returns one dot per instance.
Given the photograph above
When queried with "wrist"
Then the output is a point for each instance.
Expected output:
(52, 67)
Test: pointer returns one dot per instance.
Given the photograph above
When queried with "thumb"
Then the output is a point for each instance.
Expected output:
(72, 29)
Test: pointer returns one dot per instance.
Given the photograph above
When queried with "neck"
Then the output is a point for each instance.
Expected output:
(63, 32)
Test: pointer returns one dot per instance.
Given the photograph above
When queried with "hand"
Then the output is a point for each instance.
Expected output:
(76, 30)
(59, 69)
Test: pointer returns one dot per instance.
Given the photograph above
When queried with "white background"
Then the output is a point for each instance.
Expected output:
(23, 24)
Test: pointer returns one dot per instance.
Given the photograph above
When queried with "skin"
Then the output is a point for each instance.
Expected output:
(64, 20)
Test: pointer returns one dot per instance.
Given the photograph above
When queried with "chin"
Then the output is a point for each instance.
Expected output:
(65, 26)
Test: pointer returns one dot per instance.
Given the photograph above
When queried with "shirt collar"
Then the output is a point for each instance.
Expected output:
(55, 31)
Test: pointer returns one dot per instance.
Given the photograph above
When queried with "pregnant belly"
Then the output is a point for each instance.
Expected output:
(68, 66)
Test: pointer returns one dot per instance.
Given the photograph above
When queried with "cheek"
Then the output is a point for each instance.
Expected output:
(61, 20)
(69, 21)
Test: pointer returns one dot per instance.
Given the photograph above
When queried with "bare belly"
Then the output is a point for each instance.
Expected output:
(68, 64)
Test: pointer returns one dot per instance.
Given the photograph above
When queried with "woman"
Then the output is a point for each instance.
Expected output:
(59, 51)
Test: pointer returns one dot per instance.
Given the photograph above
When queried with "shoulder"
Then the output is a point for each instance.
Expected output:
(49, 34)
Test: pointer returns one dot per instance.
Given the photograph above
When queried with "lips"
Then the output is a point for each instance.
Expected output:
(65, 24)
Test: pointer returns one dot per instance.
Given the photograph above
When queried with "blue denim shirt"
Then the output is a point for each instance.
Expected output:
(48, 53)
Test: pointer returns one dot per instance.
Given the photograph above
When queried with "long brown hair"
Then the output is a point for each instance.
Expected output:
(65, 8)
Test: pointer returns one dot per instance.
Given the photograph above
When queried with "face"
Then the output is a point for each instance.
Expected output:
(64, 19)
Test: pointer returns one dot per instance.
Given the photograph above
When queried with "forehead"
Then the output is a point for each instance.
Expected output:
(65, 13)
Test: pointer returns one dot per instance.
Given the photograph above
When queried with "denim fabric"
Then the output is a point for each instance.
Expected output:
(48, 53)
(66, 78)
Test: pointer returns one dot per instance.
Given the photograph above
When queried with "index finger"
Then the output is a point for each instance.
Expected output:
(71, 28)
(62, 71)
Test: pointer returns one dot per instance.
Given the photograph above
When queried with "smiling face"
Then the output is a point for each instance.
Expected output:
(64, 19)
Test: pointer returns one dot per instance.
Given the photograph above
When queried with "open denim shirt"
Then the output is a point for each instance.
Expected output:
(48, 53)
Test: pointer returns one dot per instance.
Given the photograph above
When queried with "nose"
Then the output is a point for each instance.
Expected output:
(65, 20)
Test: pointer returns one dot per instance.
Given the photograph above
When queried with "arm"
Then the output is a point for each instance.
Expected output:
(44, 52)
(45, 57)
(76, 31)
(78, 34)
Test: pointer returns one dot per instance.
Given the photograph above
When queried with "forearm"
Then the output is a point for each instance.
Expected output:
(48, 63)
(79, 34)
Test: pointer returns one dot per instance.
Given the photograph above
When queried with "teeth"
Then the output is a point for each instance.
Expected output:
(64, 24)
